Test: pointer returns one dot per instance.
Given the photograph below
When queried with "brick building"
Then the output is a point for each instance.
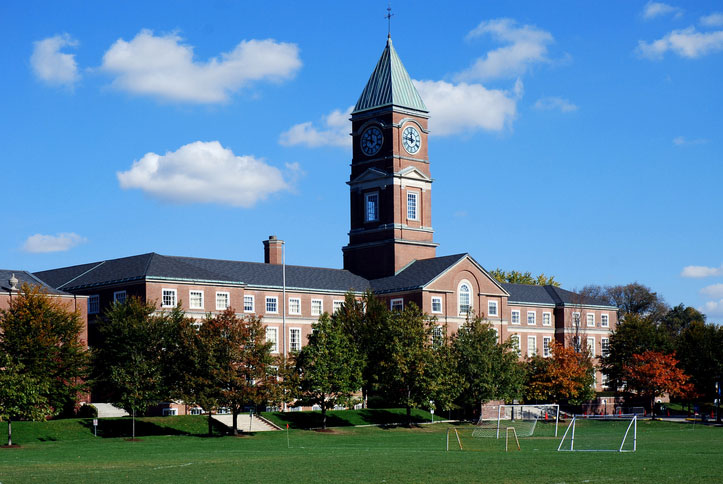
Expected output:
(391, 251)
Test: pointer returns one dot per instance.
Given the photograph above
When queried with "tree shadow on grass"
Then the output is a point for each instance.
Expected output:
(123, 427)
(342, 418)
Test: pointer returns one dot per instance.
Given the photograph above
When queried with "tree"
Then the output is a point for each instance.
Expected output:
(630, 299)
(446, 382)
(42, 335)
(700, 351)
(129, 363)
(566, 376)
(490, 371)
(21, 395)
(680, 318)
(635, 335)
(363, 321)
(240, 360)
(653, 373)
(329, 366)
(407, 367)
(516, 277)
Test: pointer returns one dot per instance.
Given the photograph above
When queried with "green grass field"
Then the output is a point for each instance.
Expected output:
(172, 450)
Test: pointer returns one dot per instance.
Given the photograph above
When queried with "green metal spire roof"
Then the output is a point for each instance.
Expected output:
(389, 85)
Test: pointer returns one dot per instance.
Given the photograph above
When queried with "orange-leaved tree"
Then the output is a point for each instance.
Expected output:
(567, 376)
(653, 373)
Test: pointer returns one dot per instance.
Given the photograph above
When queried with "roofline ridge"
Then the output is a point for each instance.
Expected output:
(81, 274)
(259, 263)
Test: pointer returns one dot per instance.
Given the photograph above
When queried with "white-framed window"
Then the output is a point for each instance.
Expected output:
(396, 304)
(491, 308)
(515, 316)
(604, 320)
(436, 304)
(272, 336)
(497, 335)
(531, 317)
(437, 335)
(576, 320)
(590, 317)
(371, 207)
(195, 299)
(591, 346)
(168, 412)
(223, 301)
(605, 347)
(547, 319)
(576, 343)
(317, 307)
(604, 381)
(464, 294)
(337, 305)
(515, 339)
(196, 411)
(168, 298)
(272, 304)
(412, 204)
(531, 346)
(294, 305)
(546, 342)
(93, 304)
(119, 297)
(248, 303)
(295, 339)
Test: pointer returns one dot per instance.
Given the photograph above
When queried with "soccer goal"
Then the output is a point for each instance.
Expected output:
(601, 433)
(495, 419)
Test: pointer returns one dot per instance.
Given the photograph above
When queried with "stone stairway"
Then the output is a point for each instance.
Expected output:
(246, 424)
(106, 410)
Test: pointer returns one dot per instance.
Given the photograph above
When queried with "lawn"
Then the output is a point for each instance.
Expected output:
(67, 451)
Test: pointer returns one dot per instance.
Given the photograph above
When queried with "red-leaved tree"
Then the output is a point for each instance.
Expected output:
(654, 373)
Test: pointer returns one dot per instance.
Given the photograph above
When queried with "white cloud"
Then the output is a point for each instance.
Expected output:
(161, 66)
(526, 45)
(682, 141)
(714, 291)
(713, 20)
(206, 172)
(462, 107)
(701, 271)
(555, 104)
(39, 243)
(52, 66)
(713, 308)
(333, 132)
(657, 9)
(685, 42)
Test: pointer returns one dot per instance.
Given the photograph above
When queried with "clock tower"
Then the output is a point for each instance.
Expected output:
(390, 183)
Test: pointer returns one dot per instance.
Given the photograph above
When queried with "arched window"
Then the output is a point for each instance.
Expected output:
(464, 293)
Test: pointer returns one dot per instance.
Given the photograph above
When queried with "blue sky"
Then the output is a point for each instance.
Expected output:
(578, 139)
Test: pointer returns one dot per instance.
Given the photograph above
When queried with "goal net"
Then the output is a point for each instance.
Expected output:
(494, 419)
(601, 433)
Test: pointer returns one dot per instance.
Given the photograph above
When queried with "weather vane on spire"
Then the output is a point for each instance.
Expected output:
(389, 16)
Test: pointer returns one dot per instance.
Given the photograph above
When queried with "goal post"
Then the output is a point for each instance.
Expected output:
(601, 433)
(495, 419)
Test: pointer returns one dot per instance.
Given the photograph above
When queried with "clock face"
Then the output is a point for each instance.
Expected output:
(411, 140)
(371, 141)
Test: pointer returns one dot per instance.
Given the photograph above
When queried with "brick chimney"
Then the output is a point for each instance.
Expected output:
(273, 250)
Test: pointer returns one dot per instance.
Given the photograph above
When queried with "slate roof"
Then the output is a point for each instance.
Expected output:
(25, 277)
(416, 275)
(526, 293)
(152, 265)
(390, 85)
